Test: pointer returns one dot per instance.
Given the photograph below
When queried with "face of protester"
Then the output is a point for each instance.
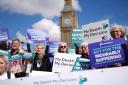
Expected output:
(15, 45)
(3, 65)
(116, 33)
(15, 63)
(85, 51)
(63, 48)
(80, 50)
(39, 49)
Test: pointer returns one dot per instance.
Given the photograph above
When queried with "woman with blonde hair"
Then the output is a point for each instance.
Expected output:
(3, 68)
(41, 60)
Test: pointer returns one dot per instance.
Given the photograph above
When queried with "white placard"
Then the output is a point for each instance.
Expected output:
(97, 31)
(64, 62)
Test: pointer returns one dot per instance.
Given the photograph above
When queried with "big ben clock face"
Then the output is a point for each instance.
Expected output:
(67, 21)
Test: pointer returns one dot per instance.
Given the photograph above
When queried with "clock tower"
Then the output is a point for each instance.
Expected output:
(68, 21)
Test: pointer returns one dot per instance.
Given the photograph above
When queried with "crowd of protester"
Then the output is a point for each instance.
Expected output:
(41, 61)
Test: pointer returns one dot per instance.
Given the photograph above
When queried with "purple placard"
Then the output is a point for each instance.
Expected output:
(4, 34)
(53, 47)
(37, 36)
(107, 53)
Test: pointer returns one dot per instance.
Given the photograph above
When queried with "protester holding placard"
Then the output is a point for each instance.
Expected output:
(85, 64)
(119, 31)
(41, 60)
(15, 49)
(78, 49)
(3, 68)
(85, 50)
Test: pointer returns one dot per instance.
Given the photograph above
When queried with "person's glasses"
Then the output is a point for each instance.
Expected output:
(62, 46)
(116, 31)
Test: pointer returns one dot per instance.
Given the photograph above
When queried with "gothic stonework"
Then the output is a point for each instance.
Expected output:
(68, 21)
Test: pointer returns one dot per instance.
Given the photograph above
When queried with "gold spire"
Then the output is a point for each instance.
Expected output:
(68, 6)
(68, 2)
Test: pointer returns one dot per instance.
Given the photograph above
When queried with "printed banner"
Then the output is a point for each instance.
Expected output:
(107, 52)
(71, 51)
(15, 63)
(28, 55)
(95, 32)
(111, 76)
(21, 63)
(4, 34)
(15, 57)
(37, 36)
(64, 62)
(53, 47)
(81, 64)
(76, 36)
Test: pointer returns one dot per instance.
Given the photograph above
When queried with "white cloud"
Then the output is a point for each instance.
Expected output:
(50, 27)
(76, 5)
(46, 8)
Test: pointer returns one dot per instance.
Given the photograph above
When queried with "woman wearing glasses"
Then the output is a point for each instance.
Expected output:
(117, 31)
(63, 47)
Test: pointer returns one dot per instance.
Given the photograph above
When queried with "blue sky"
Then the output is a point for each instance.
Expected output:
(87, 11)
(94, 10)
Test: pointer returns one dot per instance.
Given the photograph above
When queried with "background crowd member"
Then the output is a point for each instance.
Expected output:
(85, 55)
(85, 50)
(15, 49)
(78, 49)
(3, 69)
(41, 60)
(117, 31)
(62, 48)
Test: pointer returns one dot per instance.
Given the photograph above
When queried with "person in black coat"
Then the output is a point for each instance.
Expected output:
(41, 60)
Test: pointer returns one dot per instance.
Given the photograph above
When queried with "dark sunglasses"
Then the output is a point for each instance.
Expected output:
(63, 46)
(116, 31)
